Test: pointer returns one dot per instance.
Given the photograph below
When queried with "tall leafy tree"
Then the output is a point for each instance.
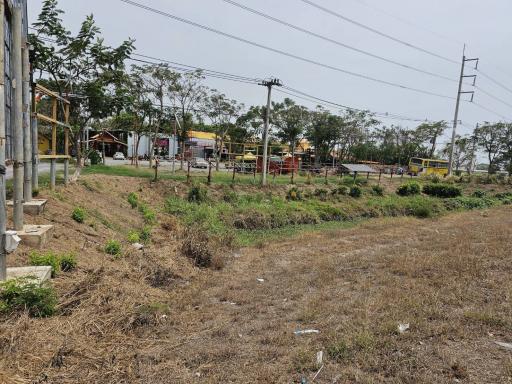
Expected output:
(430, 133)
(490, 139)
(223, 113)
(80, 67)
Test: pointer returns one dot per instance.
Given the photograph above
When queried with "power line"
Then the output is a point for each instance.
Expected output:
(489, 110)
(499, 84)
(408, 22)
(284, 53)
(302, 95)
(337, 42)
(376, 31)
(492, 96)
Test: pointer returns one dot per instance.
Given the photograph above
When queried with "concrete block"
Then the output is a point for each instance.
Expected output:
(33, 207)
(41, 273)
(36, 236)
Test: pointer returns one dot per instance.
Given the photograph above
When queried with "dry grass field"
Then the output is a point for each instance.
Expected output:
(152, 317)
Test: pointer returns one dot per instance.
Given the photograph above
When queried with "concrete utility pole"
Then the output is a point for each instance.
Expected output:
(269, 84)
(459, 93)
(3, 213)
(17, 119)
(27, 142)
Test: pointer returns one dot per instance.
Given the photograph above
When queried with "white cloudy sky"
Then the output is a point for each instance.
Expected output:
(440, 26)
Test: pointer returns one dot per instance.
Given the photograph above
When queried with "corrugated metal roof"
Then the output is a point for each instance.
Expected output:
(359, 168)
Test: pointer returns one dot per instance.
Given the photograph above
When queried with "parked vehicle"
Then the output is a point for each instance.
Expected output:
(419, 166)
(198, 162)
(118, 156)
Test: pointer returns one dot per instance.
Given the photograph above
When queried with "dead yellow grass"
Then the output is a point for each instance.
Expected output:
(154, 318)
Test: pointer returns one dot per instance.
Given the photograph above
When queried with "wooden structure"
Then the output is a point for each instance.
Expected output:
(55, 123)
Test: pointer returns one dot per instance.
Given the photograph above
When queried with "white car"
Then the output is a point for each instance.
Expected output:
(118, 156)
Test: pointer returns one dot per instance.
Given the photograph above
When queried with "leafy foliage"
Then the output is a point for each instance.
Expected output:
(26, 294)
(442, 190)
(78, 214)
(409, 189)
(113, 247)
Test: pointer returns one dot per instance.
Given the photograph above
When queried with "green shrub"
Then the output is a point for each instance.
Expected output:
(145, 234)
(78, 215)
(133, 237)
(356, 191)
(113, 247)
(147, 213)
(230, 197)
(26, 294)
(442, 190)
(342, 190)
(45, 259)
(378, 190)
(409, 189)
(422, 212)
(294, 194)
(35, 192)
(321, 193)
(479, 194)
(464, 202)
(67, 262)
(133, 199)
(339, 351)
(95, 158)
(197, 194)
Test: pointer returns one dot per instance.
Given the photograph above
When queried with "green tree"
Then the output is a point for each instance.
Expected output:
(490, 138)
(430, 133)
(80, 67)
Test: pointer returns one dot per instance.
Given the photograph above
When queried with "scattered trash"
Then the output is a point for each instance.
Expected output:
(403, 327)
(319, 357)
(317, 373)
(138, 246)
(303, 380)
(306, 331)
(198, 374)
(260, 279)
(504, 345)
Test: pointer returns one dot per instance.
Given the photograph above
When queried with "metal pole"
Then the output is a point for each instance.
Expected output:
(3, 213)
(17, 120)
(265, 137)
(27, 141)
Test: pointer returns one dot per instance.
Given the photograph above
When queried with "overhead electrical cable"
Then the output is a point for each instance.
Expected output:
(337, 42)
(284, 53)
(380, 33)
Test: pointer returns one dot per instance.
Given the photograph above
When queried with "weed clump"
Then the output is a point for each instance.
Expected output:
(133, 237)
(378, 190)
(113, 247)
(196, 247)
(442, 190)
(145, 234)
(294, 194)
(26, 294)
(148, 214)
(65, 262)
(133, 199)
(479, 194)
(197, 194)
(230, 197)
(409, 189)
(78, 214)
(342, 190)
(356, 192)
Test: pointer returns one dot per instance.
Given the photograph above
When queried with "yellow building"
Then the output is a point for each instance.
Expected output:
(43, 144)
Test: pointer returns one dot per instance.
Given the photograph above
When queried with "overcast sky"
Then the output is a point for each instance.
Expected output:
(440, 26)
